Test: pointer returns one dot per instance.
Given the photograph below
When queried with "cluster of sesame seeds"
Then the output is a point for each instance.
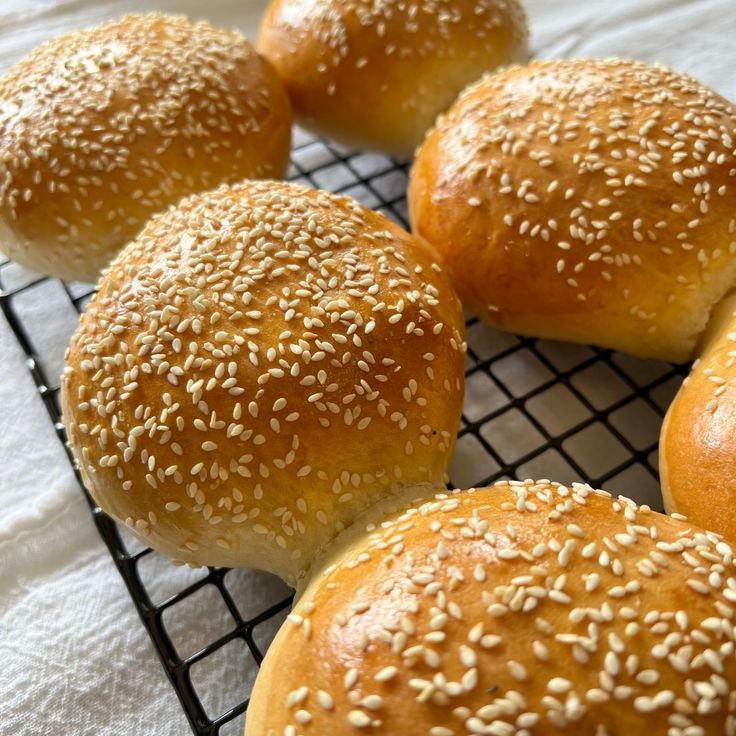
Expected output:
(619, 175)
(417, 54)
(718, 367)
(524, 608)
(114, 123)
(260, 364)
(406, 28)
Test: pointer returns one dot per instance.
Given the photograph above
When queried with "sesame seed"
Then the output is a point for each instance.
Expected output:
(358, 719)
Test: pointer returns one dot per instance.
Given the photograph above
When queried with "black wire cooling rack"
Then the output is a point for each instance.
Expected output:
(533, 408)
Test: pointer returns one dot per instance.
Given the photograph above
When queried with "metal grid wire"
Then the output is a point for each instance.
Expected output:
(533, 408)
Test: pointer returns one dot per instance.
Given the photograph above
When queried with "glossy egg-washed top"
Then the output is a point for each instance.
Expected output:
(524, 609)
(591, 200)
(101, 128)
(259, 366)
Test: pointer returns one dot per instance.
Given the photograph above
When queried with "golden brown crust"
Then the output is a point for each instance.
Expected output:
(376, 75)
(103, 127)
(585, 200)
(697, 446)
(525, 608)
(258, 366)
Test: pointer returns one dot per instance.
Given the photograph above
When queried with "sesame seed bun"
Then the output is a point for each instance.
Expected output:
(697, 447)
(260, 365)
(517, 610)
(376, 75)
(100, 128)
(591, 200)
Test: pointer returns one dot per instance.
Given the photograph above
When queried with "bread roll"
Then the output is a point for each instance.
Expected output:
(376, 75)
(591, 200)
(521, 609)
(101, 128)
(260, 365)
(697, 447)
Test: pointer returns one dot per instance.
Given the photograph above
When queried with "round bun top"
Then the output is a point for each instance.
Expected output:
(377, 74)
(261, 364)
(524, 608)
(591, 200)
(697, 445)
(100, 128)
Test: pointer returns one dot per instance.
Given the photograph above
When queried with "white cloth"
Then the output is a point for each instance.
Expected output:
(74, 658)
